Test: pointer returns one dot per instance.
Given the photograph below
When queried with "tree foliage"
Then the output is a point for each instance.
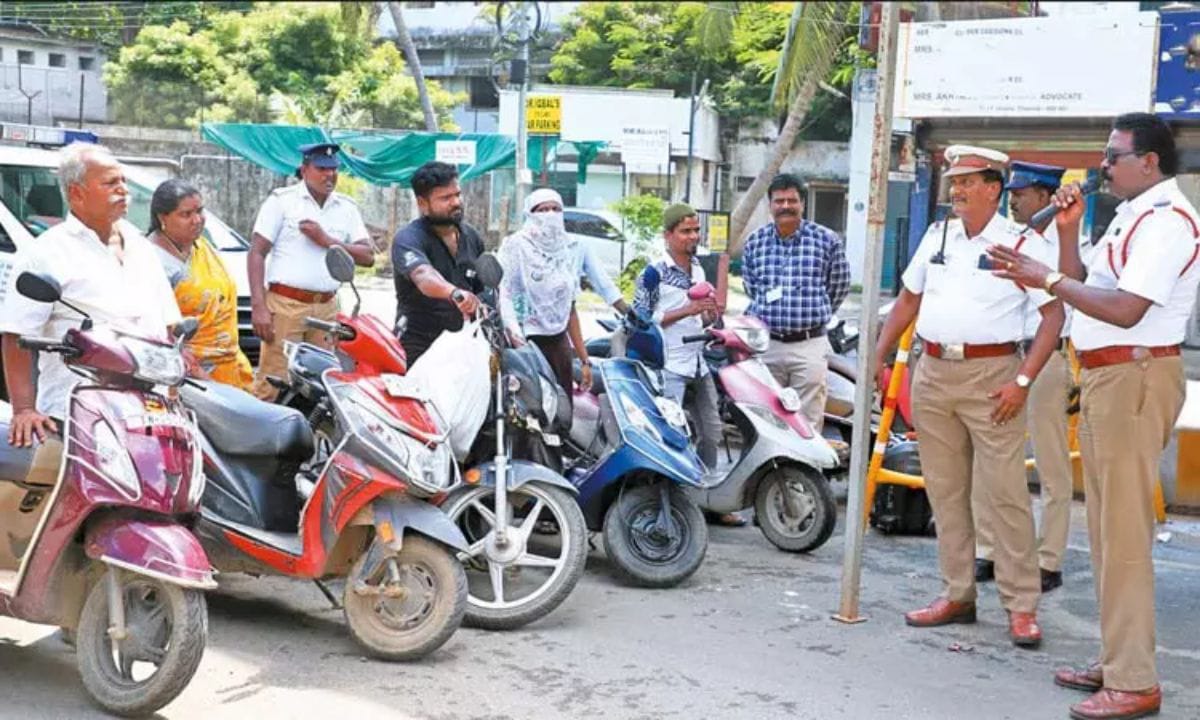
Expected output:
(737, 46)
(312, 60)
(113, 24)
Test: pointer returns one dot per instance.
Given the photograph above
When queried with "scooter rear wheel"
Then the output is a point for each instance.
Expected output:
(167, 628)
(795, 509)
(639, 550)
(413, 608)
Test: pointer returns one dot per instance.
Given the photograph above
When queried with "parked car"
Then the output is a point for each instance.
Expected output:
(31, 202)
(599, 230)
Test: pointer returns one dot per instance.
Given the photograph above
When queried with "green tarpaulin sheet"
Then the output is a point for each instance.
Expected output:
(385, 159)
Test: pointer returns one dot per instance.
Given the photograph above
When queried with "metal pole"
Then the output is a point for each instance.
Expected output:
(81, 78)
(864, 392)
(521, 18)
(687, 191)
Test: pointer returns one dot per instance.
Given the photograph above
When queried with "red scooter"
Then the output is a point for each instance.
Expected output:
(362, 511)
(110, 558)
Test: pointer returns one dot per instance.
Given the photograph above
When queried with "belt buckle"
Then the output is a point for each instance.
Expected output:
(954, 351)
(1140, 353)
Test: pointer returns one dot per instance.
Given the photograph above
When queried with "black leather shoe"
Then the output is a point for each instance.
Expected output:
(985, 570)
(1050, 579)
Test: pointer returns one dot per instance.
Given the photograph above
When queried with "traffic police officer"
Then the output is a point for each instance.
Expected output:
(970, 387)
(295, 227)
(1030, 188)
(1132, 314)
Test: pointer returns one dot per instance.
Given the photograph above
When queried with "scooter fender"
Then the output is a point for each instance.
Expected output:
(522, 472)
(782, 442)
(160, 549)
(394, 514)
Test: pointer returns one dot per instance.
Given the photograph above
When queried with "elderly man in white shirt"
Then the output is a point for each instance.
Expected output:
(969, 390)
(1132, 305)
(105, 268)
(295, 227)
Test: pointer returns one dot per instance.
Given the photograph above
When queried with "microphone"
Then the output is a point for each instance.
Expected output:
(1048, 212)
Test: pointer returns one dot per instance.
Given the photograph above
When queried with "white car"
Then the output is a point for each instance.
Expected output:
(598, 229)
(31, 202)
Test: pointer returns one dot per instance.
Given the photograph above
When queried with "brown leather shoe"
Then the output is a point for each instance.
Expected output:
(1089, 679)
(942, 612)
(1119, 705)
(1023, 629)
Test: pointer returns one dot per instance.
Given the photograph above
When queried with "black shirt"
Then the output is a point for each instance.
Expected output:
(417, 244)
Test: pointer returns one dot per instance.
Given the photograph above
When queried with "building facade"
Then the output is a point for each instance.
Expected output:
(49, 81)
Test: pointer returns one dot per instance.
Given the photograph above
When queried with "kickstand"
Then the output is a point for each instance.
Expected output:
(328, 595)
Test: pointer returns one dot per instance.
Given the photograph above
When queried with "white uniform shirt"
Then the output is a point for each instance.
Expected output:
(295, 260)
(133, 296)
(963, 303)
(1157, 260)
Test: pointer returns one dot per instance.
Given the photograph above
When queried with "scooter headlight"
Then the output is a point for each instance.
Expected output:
(767, 416)
(671, 412)
(158, 364)
(549, 399)
(755, 338)
(113, 461)
(789, 399)
(639, 420)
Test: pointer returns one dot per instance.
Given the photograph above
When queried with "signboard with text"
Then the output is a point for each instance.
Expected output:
(455, 152)
(543, 114)
(1078, 66)
(646, 149)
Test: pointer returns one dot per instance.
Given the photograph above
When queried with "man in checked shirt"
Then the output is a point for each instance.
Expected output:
(796, 275)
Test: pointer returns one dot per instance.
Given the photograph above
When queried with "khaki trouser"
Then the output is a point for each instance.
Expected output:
(288, 323)
(952, 412)
(1127, 414)
(22, 508)
(802, 366)
(1046, 414)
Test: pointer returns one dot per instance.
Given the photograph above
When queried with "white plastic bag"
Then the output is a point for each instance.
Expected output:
(454, 372)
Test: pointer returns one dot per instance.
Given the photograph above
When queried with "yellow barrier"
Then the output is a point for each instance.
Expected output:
(876, 473)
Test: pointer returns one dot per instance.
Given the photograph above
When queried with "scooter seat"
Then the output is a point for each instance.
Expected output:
(237, 423)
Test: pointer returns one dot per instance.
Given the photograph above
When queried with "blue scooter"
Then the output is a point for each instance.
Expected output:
(630, 458)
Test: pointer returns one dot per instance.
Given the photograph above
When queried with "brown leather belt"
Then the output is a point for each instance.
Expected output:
(963, 351)
(1118, 354)
(799, 335)
(304, 296)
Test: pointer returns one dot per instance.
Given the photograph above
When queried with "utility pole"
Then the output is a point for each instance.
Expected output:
(864, 391)
(687, 189)
(520, 75)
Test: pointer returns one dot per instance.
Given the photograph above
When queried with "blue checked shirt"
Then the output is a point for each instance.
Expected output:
(795, 283)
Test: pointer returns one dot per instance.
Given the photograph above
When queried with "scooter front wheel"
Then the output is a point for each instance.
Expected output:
(166, 628)
(413, 605)
(795, 509)
(533, 573)
(651, 548)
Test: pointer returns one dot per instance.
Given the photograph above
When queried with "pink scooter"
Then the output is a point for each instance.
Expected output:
(780, 471)
(110, 558)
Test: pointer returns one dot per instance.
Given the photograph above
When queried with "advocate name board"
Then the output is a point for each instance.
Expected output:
(1076, 66)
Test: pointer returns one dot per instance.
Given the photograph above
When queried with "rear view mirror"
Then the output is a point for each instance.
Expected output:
(41, 288)
(340, 264)
(488, 269)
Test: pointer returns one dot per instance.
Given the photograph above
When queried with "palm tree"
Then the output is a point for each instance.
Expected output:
(815, 32)
(414, 64)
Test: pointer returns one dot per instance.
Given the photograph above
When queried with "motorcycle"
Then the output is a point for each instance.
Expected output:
(515, 575)
(631, 459)
(368, 516)
(111, 559)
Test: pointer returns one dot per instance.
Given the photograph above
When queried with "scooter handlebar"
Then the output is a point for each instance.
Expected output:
(46, 345)
(702, 337)
(333, 328)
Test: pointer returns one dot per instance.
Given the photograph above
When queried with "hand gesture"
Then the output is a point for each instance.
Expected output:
(27, 425)
(705, 305)
(466, 302)
(263, 321)
(585, 382)
(1069, 200)
(313, 231)
(1022, 269)
(1009, 400)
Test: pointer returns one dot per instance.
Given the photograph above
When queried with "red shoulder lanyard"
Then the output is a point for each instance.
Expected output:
(1129, 237)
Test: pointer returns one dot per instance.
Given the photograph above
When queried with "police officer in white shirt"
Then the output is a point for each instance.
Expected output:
(105, 268)
(295, 227)
(1030, 188)
(1132, 301)
(969, 390)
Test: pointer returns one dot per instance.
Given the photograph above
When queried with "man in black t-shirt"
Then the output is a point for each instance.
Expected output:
(433, 260)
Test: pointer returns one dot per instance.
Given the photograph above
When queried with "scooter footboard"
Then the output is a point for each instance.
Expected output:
(156, 548)
(394, 514)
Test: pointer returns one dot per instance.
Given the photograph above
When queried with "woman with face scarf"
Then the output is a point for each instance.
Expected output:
(541, 280)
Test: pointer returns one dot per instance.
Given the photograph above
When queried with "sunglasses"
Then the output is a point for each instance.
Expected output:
(1111, 156)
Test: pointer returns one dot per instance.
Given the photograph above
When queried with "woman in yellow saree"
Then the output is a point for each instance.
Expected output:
(202, 286)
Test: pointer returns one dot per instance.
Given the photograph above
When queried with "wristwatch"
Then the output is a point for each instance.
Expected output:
(1053, 279)
(1023, 381)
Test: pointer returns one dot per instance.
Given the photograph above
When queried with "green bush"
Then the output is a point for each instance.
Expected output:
(627, 280)
(643, 219)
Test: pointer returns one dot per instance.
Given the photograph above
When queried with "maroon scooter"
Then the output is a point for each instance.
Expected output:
(111, 559)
